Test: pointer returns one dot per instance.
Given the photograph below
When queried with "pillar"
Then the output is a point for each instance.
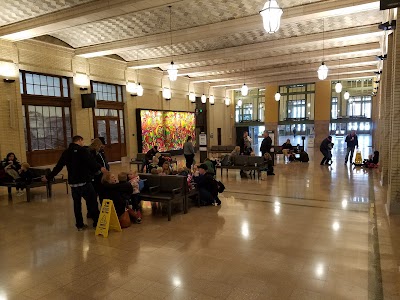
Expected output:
(322, 115)
(271, 110)
(393, 194)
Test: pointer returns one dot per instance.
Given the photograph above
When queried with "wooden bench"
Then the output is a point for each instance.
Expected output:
(245, 163)
(165, 189)
(221, 149)
(37, 174)
(140, 158)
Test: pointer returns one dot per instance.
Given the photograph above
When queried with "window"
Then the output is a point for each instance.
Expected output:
(46, 125)
(47, 120)
(43, 85)
(297, 102)
(253, 106)
(107, 92)
(359, 106)
(334, 111)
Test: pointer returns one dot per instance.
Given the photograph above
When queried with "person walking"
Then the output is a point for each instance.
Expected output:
(325, 149)
(352, 143)
(96, 149)
(266, 144)
(80, 166)
(188, 152)
(294, 131)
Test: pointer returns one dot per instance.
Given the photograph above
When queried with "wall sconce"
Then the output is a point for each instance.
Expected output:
(192, 97)
(212, 100)
(166, 94)
(227, 101)
(82, 80)
(9, 71)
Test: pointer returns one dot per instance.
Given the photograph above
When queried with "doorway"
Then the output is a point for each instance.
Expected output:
(109, 129)
(219, 136)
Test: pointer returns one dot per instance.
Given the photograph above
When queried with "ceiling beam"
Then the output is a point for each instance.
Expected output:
(75, 16)
(366, 71)
(349, 35)
(335, 67)
(324, 9)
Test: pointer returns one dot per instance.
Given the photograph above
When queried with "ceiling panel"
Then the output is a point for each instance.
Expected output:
(12, 11)
(185, 14)
(244, 38)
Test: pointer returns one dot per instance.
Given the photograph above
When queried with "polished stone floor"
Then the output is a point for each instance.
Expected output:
(307, 233)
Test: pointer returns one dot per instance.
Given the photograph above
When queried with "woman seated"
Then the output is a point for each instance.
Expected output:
(268, 165)
(372, 161)
(166, 168)
(11, 166)
(115, 191)
(286, 148)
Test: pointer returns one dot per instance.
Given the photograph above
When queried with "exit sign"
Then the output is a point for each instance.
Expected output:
(388, 4)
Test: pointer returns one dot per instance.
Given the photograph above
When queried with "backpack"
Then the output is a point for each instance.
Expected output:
(304, 157)
(221, 187)
(225, 161)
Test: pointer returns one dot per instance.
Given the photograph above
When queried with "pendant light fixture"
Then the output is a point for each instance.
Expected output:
(211, 99)
(245, 89)
(172, 69)
(203, 97)
(271, 14)
(323, 69)
(346, 95)
(339, 86)
(139, 88)
(192, 97)
(277, 95)
(239, 103)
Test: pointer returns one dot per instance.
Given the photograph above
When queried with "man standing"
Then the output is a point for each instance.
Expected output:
(352, 143)
(149, 157)
(245, 144)
(80, 166)
(325, 149)
(266, 144)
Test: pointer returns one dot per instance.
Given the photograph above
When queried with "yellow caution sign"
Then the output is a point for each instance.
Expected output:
(108, 219)
(358, 161)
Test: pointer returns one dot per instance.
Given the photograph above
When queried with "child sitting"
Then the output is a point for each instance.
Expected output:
(268, 164)
(153, 165)
(115, 191)
(131, 199)
(166, 169)
(25, 177)
(372, 161)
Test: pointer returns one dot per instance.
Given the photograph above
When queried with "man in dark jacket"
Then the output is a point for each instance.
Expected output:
(325, 148)
(207, 186)
(352, 143)
(80, 166)
(149, 157)
(266, 144)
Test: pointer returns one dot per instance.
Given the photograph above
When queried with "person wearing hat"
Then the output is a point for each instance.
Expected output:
(325, 148)
(207, 186)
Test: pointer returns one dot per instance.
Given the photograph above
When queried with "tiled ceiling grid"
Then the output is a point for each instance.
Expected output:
(244, 38)
(186, 14)
(12, 11)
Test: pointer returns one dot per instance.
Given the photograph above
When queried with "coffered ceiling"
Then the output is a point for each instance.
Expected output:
(215, 41)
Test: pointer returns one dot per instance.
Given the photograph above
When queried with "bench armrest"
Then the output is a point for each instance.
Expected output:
(154, 189)
(177, 190)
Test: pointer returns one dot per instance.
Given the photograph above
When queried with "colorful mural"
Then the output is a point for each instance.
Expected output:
(166, 129)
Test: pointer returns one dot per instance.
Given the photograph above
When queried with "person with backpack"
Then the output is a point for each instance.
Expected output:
(208, 187)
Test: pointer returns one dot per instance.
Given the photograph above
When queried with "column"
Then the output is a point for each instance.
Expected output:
(393, 194)
(272, 110)
(322, 116)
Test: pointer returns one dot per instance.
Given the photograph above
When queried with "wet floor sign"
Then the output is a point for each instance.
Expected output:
(358, 161)
(108, 219)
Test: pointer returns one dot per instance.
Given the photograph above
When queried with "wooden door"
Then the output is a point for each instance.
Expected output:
(219, 133)
(109, 129)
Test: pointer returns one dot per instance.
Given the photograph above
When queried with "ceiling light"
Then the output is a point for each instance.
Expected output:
(166, 93)
(212, 100)
(271, 14)
(338, 87)
(172, 70)
(192, 97)
(322, 71)
(277, 96)
(131, 87)
(139, 90)
(203, 99)
(245, 90)
(239, 103)
(346, 95)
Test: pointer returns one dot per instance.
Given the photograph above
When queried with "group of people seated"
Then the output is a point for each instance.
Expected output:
(294, 153)
(11, 170)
